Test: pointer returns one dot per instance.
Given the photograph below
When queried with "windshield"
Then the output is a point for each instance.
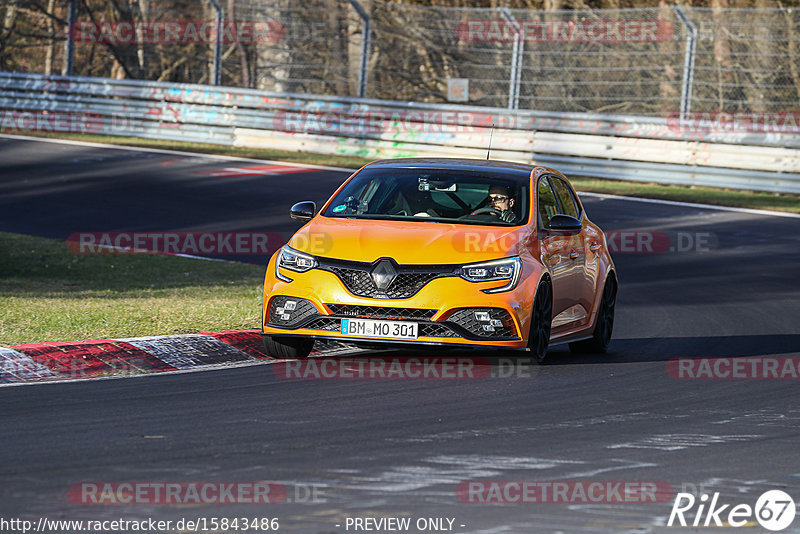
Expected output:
(434, 195)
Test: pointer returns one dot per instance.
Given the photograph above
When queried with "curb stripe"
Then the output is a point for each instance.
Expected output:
(190, 351)
(258, 170)
(82, 360)
(247, 341)
(86, 359)
(17, 367)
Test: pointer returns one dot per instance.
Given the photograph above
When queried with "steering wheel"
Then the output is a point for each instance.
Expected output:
(484, 211)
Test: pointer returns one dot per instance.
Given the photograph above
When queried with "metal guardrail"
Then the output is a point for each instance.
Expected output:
(608, 146)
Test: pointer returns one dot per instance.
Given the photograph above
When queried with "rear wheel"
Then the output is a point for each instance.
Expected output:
(604, 326)
(287, 348)
(541, 321)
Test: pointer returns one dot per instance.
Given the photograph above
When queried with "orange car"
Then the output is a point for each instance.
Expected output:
(443, 252)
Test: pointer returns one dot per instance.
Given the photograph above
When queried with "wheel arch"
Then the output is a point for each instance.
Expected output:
(611, 273)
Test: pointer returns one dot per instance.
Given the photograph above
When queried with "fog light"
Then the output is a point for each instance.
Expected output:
(494, 323)
(288, 311)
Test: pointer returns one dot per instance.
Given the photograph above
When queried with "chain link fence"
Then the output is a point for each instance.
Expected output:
(648, 62)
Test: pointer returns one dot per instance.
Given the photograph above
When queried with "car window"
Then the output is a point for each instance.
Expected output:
(546, 201)
(434, 195)
(566, 202)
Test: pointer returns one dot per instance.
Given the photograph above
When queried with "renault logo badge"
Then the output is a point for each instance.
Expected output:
(383, 274)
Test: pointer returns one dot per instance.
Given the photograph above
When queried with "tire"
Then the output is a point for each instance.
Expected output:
(287, 348)
(603, 328)
(541, 321)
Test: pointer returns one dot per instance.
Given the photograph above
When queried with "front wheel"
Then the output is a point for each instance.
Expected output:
(287, 348)
(541, 321)
(598, 343)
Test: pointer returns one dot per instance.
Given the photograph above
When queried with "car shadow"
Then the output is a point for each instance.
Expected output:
(656, 349)
(630, 350)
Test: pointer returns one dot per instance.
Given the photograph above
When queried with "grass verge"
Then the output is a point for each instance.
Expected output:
(50, 294)
(702, 195)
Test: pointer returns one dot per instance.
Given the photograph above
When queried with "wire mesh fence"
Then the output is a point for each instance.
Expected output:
(649, 61)
(747, 59)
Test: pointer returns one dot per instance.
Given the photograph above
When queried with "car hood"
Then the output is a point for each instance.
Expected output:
(408, 242)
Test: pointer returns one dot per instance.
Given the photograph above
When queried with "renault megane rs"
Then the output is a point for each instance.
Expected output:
(443, 252)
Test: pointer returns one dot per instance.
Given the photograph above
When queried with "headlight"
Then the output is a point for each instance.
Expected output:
(506, 269)
(289, 258)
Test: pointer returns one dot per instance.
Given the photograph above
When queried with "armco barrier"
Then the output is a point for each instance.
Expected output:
(609, 146)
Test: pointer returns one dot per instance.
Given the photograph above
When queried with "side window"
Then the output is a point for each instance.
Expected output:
(565, 199)
(546, 201)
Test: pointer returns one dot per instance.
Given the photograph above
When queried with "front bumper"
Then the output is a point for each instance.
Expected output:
(448, 310)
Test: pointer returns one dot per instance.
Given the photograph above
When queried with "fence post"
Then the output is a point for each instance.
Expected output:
(69, 45)
(216, 65)
(688, 61)
(516, 59)
(366, 28)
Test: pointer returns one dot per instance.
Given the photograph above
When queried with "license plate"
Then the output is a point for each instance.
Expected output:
(381, 329)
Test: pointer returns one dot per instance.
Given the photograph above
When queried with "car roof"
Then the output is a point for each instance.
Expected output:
(459, 164)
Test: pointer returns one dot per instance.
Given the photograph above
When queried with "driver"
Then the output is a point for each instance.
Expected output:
(501, 200)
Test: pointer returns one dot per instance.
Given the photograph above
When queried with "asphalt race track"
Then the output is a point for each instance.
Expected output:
(400, 448)
(54, 190)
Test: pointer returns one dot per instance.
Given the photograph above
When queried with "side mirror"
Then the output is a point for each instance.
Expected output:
(564, 223)
(303, 211)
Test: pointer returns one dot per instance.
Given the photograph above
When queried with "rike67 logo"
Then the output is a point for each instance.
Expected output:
(774, 510)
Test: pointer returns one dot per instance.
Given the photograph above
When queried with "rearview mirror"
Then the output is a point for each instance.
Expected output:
(303, 211)
(564, 223)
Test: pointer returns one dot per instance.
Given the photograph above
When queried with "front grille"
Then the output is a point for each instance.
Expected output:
(436, 330)
(409, 279)
(357, 282)
(408, 284)
(288, 312)
(325, 323)
(498, 324)
(381, 312)
(404, 285)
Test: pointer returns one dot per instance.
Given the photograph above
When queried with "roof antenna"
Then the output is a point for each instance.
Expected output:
(491, 133)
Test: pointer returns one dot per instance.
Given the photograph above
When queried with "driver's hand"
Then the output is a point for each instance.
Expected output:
(508, 216)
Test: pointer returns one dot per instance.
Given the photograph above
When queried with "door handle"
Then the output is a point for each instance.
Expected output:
(594, 246)
(573, 255)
